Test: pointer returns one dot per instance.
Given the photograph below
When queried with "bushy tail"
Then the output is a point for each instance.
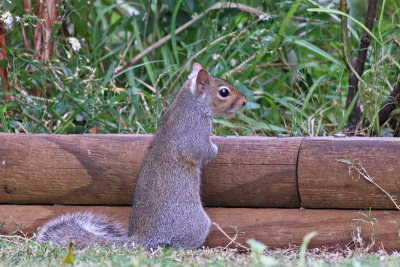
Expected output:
(84, 228)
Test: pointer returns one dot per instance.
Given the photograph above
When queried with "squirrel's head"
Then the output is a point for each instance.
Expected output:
(221, 96)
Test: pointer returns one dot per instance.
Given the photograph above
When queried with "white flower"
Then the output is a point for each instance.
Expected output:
(233, 62)
(76, 45)
(7, 18)
(264, 17)
(216, 56)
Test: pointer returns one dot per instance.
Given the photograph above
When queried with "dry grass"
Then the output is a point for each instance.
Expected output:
(360, 172)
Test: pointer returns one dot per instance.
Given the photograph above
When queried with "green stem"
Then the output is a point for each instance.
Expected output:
(380, 21)
(173, 39)
(141, 48)
(345, 39)
(285, 22)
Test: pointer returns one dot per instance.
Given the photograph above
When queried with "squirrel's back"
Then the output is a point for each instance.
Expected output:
(84, 228)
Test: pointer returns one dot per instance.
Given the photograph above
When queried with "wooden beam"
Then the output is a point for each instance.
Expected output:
(248, 171)
(102, 170)
(252, 172)
(325, 182)
(277, 228)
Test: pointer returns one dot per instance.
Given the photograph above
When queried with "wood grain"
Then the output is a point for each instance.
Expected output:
(267, 186)
(277, 228)
(325, 182)
(102, 170)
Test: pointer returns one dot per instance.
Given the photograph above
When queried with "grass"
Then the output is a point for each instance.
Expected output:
(19, 251)
(290, 66)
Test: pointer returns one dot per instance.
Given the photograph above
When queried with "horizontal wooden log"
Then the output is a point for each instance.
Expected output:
(277, 228)
(248, 171)
(326, 182)
(102, 170)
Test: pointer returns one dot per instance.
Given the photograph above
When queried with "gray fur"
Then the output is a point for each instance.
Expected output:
(84, 228)
(167, 209)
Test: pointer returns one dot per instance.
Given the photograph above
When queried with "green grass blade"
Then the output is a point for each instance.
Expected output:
(3, 119)
(262, 125)
(304, 244)
(318, 50)
(150, 71)
(344, 119)
(353, 32)
(135, 67)
(173, 39)
(311, 91)
(224, 122)
(395, 62)
(285, 22)
(380, 21)
(109, 73)
(327, 10)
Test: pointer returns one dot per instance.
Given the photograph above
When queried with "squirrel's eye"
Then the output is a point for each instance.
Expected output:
(223, 92)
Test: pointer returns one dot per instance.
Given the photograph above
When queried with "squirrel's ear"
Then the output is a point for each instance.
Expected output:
(195, 70)
(202, 81)
(196, 67)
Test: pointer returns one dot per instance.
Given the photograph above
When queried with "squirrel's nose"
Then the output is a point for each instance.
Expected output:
(244, 101)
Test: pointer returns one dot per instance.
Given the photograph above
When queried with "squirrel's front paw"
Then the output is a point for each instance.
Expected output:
(211, 153)
(215, 148)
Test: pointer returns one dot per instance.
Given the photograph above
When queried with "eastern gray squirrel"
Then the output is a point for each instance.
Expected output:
(167, 210)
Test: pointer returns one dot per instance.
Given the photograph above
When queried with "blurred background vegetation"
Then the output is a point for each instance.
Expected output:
(287, 59)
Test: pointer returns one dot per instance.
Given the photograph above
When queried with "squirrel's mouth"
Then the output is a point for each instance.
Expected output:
(234, 109)
(231, 111)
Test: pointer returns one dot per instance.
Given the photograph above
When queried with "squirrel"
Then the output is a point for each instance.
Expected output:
(167, 209)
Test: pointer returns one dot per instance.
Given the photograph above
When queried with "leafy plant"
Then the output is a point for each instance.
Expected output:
(286, 57)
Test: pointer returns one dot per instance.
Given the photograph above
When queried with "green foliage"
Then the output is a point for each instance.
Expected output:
(293, 74)
(306, 240)
(257, 254)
